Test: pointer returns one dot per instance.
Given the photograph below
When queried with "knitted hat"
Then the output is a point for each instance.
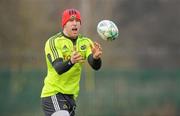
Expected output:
(68, 14)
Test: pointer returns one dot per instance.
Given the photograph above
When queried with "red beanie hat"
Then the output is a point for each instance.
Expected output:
(68, 14)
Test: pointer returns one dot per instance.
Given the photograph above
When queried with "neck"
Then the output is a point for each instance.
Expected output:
(67, 35)
(72, 39)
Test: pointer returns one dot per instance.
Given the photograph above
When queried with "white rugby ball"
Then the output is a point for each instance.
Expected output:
(107, 30)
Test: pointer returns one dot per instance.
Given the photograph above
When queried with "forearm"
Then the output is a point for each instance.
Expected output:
(95, 63)
(60, 66)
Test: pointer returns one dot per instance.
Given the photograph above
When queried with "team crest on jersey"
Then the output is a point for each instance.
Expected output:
(83, 47)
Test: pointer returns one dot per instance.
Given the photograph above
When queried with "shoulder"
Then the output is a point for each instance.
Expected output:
(82, 37)
(52, 39)
(58, 35)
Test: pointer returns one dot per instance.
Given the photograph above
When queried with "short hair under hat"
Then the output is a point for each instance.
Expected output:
(68, 14)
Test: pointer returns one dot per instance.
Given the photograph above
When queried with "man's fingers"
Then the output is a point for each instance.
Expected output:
(81, 61)
(99, 53)
(97, 45)
(100, 48)
(77, 57)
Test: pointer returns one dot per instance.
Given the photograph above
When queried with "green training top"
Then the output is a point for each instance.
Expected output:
(60, 46)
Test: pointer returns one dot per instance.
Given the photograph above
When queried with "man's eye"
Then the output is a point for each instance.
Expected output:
(77, 20)
(71, 20)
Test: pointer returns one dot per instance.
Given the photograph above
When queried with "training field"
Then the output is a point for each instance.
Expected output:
(107, 93)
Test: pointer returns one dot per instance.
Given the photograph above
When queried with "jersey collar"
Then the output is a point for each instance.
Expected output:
(73, 40)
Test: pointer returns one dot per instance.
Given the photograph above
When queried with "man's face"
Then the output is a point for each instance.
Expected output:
(72, 27)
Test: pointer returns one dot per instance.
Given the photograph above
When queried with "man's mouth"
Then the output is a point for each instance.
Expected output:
(74, 29)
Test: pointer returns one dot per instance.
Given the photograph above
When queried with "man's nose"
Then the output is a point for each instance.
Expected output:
(74, 22)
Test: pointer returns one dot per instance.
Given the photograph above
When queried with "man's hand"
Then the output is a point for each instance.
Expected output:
(76, 57)
(96, 50)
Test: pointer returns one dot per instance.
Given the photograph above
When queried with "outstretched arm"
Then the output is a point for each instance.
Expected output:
(94, 59)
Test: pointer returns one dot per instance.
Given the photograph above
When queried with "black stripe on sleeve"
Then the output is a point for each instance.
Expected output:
(49, 58)
(53, 42)
(50, 44)
(53, 48)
